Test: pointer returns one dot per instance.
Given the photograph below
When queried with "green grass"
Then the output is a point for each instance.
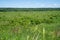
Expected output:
(30, 25)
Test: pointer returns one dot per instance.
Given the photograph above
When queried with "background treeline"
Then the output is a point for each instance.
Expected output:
(29, 9)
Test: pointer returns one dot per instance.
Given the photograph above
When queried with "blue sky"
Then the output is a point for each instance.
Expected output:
(30, 3)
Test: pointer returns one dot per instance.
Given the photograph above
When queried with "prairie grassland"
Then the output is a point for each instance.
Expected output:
(30, 25)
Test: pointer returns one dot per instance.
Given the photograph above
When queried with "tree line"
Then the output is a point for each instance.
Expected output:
(29, 9)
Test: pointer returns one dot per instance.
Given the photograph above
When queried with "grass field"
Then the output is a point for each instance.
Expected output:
(30, 25)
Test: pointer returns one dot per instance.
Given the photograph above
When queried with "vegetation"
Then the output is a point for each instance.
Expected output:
(28, 9)
(30, 25)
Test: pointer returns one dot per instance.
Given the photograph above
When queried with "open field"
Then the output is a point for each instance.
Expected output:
(30, 25)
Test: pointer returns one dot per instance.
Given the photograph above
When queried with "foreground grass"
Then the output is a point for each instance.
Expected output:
(30, 25)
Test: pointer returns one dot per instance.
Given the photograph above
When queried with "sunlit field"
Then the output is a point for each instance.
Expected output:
(30, 25)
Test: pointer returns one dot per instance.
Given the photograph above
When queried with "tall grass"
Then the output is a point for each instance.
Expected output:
(29, 25)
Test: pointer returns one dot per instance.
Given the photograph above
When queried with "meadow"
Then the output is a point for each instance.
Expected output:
(30, 25)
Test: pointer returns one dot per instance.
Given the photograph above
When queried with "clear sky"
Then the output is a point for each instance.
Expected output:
(30, 3)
